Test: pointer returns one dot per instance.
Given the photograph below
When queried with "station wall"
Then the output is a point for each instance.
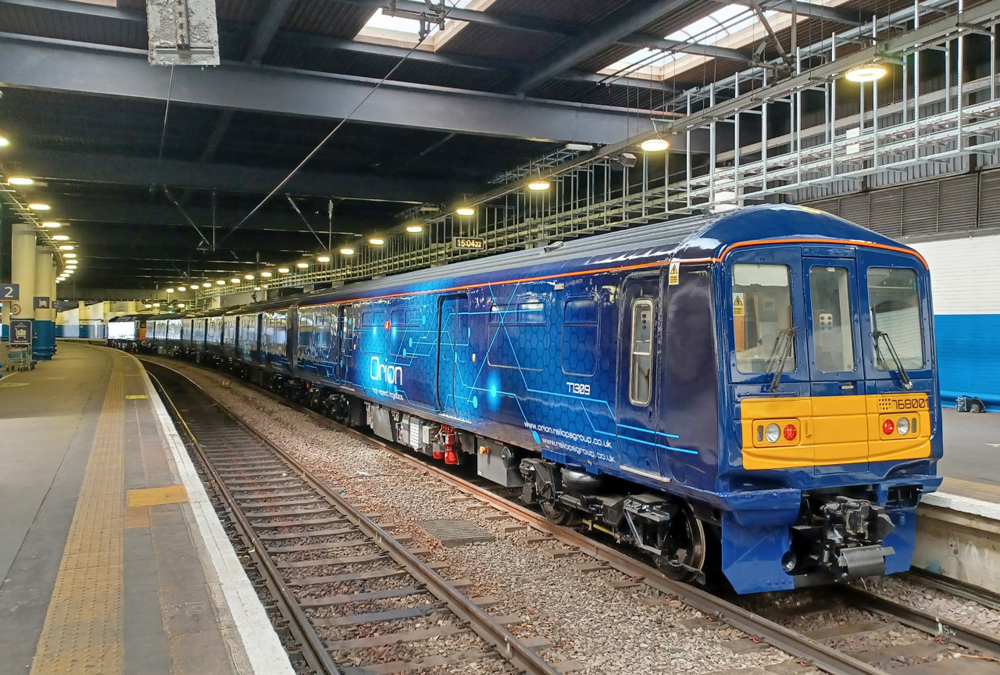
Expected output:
(965, 274)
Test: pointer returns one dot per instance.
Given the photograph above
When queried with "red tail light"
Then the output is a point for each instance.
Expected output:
(790, 432)
(888, 427)
(451, 457)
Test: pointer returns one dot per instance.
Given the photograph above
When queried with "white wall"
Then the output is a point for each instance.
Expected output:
(965, 274)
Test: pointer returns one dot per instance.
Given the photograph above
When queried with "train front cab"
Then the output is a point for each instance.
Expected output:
(830, 418)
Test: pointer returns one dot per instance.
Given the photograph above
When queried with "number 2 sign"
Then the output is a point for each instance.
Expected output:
(9, 292)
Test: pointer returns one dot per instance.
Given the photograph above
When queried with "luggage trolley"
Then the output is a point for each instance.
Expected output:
(19, 358)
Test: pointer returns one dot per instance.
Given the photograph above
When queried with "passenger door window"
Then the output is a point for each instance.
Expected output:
(641, 370)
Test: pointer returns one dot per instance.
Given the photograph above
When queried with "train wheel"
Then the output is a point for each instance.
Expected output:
(558, 514)
(685, 547)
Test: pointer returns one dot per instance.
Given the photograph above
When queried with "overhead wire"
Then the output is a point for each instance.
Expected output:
(338, 126)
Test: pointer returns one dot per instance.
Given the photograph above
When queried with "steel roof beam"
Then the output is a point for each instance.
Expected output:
(129, 170)
(625, 21)
(806, 9)
(85, 211)
(60, 65)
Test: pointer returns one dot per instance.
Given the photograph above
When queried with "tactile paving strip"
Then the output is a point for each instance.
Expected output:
(83, 627)
(452, 532)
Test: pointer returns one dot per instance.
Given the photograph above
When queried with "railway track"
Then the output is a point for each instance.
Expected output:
(810, 650)
(350, 596)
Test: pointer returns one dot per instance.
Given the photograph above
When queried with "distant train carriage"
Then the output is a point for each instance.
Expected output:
(126, 332)
(755, 392)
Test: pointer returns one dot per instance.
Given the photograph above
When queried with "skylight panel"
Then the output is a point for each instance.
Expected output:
(381, 20)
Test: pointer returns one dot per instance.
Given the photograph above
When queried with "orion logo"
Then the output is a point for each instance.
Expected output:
(385, 373)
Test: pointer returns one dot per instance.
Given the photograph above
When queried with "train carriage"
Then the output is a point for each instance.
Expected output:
(126, 332)
(757, 389)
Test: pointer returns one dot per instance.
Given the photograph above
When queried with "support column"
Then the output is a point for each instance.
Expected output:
(44, 328)
(22, 259)
(52, 294)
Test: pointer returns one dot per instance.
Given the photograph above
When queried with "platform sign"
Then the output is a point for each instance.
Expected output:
(42, 302)
(20, 332)
(9, 292)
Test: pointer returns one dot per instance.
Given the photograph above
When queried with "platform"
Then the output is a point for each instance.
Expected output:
(112, 559)
(971, 446)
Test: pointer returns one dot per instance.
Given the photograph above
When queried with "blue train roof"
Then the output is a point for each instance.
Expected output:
(705, 237)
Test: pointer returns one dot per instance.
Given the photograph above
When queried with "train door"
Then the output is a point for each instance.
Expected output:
(453, 329)
(636, 425)
(337, 341)
(835, 371)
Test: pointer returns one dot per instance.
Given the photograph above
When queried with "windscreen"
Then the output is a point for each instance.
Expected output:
(762, 313)
(895, 307)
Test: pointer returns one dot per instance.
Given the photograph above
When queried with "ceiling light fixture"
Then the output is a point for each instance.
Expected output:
(20, 180)
(465, 211)
(66, 247)
(266, 275)
(182, 288)
(283, 270)
(376, 241)
(4, 141)
(220, 282)
(52, 224)
(248, 276)
(415, 228)
(148, 306)
(68, 255)
(323, 259)
(180, 305)
(302, 265)
(61, 237)
(579, 147)
(206, 285)
(347, 251)
(539, 184)
(654, 145)
(867, 72)
(234, 280)
(39, 207)
(256, 288)
(170, 290)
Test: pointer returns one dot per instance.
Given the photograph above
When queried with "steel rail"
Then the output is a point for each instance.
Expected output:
(922, 621)
(484, 625)
(955, 587)
(314, 651)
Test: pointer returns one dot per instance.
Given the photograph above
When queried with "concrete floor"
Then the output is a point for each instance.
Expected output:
(971, 446)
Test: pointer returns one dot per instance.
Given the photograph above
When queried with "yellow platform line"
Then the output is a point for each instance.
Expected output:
(83, 627)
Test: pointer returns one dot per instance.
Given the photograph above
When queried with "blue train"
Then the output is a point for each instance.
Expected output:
(754, 392)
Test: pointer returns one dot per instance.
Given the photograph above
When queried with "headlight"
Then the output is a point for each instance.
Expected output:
(772, 433)
(903, 426)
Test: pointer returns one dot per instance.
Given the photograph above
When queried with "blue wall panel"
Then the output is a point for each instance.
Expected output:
(968, 349)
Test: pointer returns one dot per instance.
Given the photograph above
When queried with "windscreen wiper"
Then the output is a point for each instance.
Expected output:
(782, 350)
(904, 378)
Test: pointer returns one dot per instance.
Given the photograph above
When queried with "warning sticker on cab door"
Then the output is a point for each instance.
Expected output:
(674, 277)
(738, 306)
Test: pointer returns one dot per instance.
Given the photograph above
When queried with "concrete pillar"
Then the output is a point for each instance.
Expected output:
(44, 328)
(22, 271)
(52, 295)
